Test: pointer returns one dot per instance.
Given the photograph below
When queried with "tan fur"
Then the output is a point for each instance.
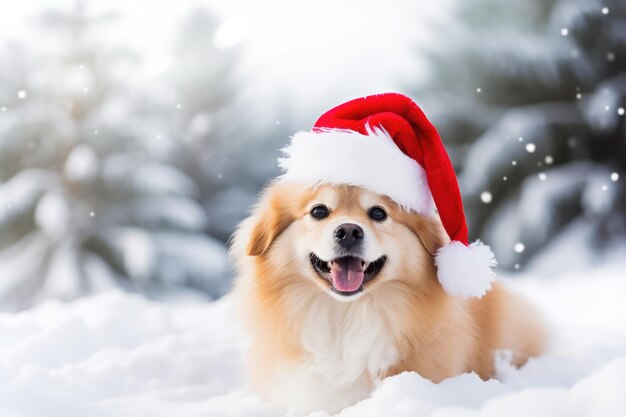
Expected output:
(433, 333)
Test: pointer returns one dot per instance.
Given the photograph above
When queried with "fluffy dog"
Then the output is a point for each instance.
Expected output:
(338, 288)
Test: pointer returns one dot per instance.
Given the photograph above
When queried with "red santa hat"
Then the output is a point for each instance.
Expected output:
(386, 144)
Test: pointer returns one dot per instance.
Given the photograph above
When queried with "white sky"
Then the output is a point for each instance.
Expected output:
(315, 53)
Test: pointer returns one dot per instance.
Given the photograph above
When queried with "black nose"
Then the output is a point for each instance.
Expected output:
(349, 235)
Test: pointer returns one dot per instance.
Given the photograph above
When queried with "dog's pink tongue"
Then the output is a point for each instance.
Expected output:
(347, 275)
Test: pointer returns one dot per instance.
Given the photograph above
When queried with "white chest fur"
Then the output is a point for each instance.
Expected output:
(348, 345)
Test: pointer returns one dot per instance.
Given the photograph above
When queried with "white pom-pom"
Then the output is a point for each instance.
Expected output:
(465, 271)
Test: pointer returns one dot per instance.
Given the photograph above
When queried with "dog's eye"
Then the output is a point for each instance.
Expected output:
(377, 213)
(320, 212)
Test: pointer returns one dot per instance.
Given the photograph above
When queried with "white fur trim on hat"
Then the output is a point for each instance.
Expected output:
(465, 270)
(371, 161)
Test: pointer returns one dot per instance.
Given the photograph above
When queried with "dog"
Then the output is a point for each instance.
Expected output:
(337, 288)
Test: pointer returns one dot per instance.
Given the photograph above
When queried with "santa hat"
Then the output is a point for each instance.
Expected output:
(386, 144)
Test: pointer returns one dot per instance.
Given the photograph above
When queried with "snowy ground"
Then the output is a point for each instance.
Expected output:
(120, 355)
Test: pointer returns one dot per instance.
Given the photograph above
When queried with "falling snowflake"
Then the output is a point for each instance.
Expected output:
(485, 197)
(614, 176)
(519, 247)
(564, 32)
(549, 159)
(620, 111)
(530, 147)
(605, 10)
(542, 176)
(21, 94)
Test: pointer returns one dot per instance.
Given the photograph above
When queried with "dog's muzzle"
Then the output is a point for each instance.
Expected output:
(347, 275)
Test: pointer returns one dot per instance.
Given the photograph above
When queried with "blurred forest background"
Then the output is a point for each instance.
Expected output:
(118, 169)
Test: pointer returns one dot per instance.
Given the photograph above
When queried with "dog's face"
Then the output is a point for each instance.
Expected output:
(344, 239)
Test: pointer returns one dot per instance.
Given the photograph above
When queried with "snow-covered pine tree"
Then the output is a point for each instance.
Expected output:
(530, 98)
(203, 81)
(229, 151)
(87, 200)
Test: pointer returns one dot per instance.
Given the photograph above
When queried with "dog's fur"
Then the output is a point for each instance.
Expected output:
(312, 350)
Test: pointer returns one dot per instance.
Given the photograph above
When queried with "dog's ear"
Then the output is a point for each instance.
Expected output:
(275, 213)
(429, 230)
(431, 233)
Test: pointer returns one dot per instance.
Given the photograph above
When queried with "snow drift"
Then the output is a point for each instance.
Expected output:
(118, 354)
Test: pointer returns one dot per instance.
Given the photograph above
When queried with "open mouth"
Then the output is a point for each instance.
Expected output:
(347, 275)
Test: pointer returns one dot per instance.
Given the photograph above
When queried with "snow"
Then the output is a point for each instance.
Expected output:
(118, 354)
(82, 164)
(21, 193)
(147, 177)
(137, 247)
(52, 214)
